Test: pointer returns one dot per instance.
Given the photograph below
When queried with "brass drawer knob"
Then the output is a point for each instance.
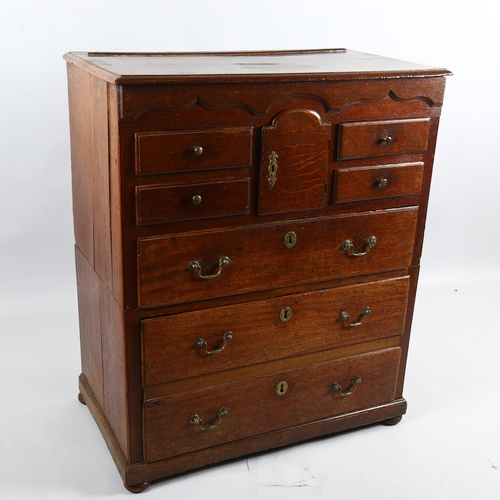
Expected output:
(197, 420)
(198, 150)
(382, 182)
(201, 343)
(343, 316)
(348, 245)
(195, 266)
(196, 199)
(386, 139)
(337, 387)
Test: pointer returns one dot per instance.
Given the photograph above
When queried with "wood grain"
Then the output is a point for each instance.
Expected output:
(135, 122)
(260, 259)
(261, 336)
(169, 432)
(377, 182)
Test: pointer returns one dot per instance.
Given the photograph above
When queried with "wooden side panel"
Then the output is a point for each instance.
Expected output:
(97, 207)
(90, 326)
(114, 367)
(82, 160)
(115, 197)
(102, 226)
(95, 178)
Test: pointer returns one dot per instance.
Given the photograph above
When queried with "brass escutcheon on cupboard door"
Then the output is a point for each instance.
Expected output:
(272, 169)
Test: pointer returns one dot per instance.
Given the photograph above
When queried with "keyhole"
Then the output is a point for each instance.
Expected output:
(290, 239)
(286, 314)
(281, 388)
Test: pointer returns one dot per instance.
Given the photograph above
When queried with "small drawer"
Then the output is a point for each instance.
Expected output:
(192, 151)
(194, 266)
(220, 414)
(156, 204)
(383, 138)
(371, 183)
(198, 343)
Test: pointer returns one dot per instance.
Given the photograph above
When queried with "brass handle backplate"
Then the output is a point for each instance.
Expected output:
(348, 245)
(272, 169)
(197, 420)
(201, 343)
(195, 266)
(343, 316)
(337, 387)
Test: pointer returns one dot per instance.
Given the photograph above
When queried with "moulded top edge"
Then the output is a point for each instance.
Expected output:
(323, 64)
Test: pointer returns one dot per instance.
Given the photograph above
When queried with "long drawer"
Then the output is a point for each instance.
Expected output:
(210, 341)
(194, 266)
(196, 420)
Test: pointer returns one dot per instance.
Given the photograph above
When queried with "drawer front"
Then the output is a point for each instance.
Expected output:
(181, 423)
(210, 341)
(190, 151)
(156, 204)
(174, 269)
(383, 181)
(381, 138)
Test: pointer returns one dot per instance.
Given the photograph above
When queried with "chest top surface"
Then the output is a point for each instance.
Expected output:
(313, 65)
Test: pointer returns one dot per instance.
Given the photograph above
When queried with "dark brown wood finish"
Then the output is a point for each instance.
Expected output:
(294, 153)
(259, 257)
(307, 396)
(273, 160)
(263, 331)
(156, 204)
(376, 182)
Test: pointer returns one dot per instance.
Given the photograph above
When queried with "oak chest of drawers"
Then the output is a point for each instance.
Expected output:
(248, 233)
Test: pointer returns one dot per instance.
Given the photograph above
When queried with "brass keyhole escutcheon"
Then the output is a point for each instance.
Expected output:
(272, 169)
(286, 314)
(281, 388)
(290, 239)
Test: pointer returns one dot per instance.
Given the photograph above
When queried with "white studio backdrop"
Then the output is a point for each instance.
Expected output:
(39, 334)
(36, 254)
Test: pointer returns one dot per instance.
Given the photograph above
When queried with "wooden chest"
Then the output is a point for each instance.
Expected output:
(248, 235)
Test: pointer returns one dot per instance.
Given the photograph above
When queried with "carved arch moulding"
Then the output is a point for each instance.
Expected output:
(255, 100)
